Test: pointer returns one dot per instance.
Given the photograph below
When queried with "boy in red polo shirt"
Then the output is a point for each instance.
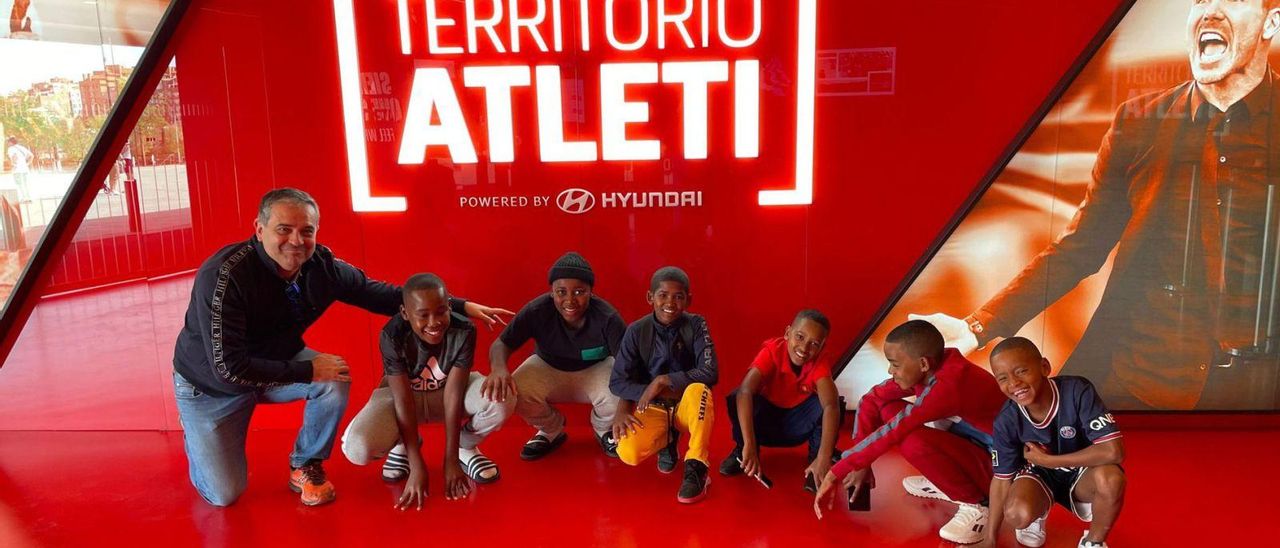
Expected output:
(787, 398)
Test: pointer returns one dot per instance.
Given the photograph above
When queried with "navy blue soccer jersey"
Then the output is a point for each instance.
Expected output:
(1077, 419)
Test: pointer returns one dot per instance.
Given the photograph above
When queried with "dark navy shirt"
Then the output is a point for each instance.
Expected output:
(563, 348)
(1077, 420)
(684, 363)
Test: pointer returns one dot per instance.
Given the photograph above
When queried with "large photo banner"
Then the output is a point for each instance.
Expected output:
(1135, 235)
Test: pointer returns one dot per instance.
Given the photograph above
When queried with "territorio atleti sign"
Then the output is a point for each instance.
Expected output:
(707, 52)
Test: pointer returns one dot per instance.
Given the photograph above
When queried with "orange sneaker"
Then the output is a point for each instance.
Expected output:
(310, 481)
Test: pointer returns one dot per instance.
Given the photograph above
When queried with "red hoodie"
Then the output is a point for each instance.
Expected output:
(957, 388)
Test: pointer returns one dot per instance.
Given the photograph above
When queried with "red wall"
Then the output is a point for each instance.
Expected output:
(259, 84)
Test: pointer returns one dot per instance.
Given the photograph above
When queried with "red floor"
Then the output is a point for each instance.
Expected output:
(1186, 487)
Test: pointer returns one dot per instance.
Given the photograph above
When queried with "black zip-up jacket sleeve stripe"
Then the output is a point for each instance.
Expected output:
(225, 345)
(707, 370)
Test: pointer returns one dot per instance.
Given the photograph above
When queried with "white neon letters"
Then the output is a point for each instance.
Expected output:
(551, 141)
(433, 90)
(436, 122)
(695, 76)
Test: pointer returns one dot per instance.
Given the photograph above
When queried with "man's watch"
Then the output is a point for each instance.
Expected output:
(975, 326)
(978, 329)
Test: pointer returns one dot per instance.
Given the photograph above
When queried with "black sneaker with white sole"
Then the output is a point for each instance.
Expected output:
(696, 480)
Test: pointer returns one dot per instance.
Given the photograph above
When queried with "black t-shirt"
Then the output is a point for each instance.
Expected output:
(427, 365)
(562, 348)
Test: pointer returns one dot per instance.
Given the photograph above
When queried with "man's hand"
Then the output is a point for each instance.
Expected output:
(955, 332)
(625, 424)
(415, 489)
(818, 468)
(655, 388)
(487, 314)
(1037, 454)
(826, 496)
(751, 461)
(456, 483)
(328, 367)
(498, 386)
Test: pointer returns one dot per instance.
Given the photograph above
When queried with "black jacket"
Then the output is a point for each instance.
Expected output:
(240, 331)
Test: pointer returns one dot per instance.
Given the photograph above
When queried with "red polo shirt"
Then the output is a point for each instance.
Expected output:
(781, 385)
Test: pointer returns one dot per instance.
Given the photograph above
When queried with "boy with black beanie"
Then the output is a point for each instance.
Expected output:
(576, 335)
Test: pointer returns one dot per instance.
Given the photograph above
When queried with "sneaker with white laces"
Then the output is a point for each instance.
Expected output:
(967, 526)
(1088, 543)
(920, 486)
(1033, 535)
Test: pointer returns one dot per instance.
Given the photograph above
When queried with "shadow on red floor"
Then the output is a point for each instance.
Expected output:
(108, 488)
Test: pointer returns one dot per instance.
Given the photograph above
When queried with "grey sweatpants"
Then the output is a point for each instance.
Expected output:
(539, 385)
(374, 431)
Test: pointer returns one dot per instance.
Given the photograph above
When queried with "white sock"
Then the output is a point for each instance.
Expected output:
(465, 454)
(399, 449)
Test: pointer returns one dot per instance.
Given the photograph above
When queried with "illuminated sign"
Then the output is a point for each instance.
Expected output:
(512, 26)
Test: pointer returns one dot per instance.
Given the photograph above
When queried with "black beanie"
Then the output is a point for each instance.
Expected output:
(572, 265)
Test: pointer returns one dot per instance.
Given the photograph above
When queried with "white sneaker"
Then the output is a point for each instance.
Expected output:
(967, 526)
(1090, 544)
(1033, 535)
(920, 486)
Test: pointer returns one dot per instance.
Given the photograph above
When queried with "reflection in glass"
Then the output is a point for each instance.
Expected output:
(65, 64)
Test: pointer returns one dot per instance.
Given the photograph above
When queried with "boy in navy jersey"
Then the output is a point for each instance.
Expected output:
(1055, 441)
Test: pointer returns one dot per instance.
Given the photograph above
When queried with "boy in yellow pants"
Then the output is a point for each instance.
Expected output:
(663, 375)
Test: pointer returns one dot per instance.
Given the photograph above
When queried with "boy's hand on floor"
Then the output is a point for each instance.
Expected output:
(415, 491)
(826, 497)
(818, 468)
(860, 478)
(456, 483)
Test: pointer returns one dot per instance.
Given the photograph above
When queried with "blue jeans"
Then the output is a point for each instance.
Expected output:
(779, 426)
(215, 428)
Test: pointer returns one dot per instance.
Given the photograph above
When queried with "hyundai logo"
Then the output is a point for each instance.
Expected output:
(575, 201)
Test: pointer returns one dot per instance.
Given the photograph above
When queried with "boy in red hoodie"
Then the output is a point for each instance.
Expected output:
(956, 464)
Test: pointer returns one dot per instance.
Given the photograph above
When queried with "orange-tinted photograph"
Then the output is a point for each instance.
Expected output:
(1135, 235)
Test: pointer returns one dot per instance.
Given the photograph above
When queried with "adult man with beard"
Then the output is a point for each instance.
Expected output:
(1183, 190)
